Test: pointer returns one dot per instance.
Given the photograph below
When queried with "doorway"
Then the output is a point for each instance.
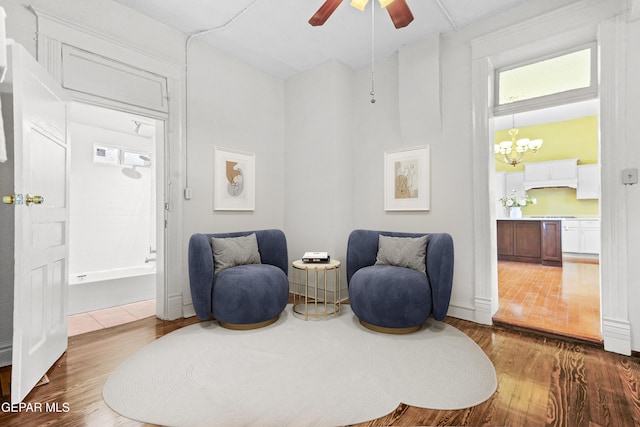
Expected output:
(113, 217)
(558, 300)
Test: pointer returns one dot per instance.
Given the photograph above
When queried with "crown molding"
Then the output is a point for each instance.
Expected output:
(568, 19)
(74, 33)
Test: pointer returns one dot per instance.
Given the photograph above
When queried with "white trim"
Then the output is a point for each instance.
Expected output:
(462, 311)
(581, 19)
(616, 334)
(53, 32)
(484, 310)
(564, 24)
(552, 99)
(83, 72)
(77, 34)
(188, 310)
(485, 261)
(174, 307)
(613, 200)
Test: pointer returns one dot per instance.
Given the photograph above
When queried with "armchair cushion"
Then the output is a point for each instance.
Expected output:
(232, 251)
(407, 252)
(390, 296)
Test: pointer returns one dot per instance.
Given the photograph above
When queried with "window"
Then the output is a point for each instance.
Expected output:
(561, 78)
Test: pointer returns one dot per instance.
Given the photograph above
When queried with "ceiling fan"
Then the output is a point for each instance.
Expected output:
(398, 11)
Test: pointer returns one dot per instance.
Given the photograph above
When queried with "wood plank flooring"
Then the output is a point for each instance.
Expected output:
(541, 381)
(557, 300)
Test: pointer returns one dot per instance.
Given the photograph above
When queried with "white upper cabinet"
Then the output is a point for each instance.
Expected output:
(553, 173)
(514, 181)
(588, 182)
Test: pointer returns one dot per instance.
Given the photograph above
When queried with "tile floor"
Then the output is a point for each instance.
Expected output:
(99, 319)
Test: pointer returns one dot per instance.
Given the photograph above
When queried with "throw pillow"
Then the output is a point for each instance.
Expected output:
(232, 251)
(407, 252)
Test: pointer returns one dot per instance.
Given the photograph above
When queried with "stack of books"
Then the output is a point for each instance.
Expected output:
(316, 257)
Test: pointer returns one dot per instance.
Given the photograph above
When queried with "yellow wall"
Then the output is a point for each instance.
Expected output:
(562, 140)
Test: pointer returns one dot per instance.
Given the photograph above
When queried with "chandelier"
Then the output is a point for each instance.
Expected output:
(513, 151)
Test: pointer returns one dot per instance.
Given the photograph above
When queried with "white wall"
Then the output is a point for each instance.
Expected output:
(319, 162)
(232, 105)
(633, 192)
(381, 127)
(112, 215)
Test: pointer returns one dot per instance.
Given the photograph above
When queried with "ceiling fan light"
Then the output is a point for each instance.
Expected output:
(359, 4)
(385, 3)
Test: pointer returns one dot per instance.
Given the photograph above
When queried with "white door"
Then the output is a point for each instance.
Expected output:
(41, 110)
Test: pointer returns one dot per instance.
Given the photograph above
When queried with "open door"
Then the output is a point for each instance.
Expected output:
(41, 207)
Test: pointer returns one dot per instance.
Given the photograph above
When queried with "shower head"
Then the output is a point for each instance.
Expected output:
(132, 172)
(144, 157)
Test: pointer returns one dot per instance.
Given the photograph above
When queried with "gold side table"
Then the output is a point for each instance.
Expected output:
(325, 279)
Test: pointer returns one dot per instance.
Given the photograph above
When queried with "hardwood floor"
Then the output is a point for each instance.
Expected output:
(541, 381)
(557, 300)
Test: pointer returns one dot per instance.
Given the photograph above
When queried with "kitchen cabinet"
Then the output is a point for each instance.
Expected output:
(506, 182)
(515, 181)
(588, 182)
(553, 173)
(551, 240)
(581, 236)
(534, 241)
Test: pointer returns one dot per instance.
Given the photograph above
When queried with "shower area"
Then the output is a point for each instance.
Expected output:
(112, 231)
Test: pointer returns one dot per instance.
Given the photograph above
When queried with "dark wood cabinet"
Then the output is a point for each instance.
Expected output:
(530, 241)
(551, 238)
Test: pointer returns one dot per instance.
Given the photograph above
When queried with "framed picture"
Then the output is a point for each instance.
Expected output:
(234, 180)
(406, 179)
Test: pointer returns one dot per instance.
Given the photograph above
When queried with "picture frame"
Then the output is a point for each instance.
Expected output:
(407, 179)
(233, 180)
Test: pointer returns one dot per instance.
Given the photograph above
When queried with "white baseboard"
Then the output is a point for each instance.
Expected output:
(461, 311)
(188, 311)
(174, 309)
(616, 335)
(483, 311)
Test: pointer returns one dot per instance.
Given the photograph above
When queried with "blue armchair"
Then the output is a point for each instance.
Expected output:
(243, 296)
(398, 299)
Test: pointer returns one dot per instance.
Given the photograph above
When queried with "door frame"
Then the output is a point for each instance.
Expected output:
(573, 24)
(55, 32)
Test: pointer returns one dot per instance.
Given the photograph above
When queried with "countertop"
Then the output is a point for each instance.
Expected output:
(552, 218)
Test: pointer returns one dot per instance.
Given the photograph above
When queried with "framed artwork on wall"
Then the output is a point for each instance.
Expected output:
(234, 180)
(406, 179)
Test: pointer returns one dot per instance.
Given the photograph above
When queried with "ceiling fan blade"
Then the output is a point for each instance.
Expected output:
(324, 12)
(400, 13)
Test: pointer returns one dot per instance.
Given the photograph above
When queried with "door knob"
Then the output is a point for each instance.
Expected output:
(12, 199)
(36, 200)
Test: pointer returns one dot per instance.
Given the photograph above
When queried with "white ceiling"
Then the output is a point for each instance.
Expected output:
(275, 36)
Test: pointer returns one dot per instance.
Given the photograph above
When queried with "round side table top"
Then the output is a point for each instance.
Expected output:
(316, 265)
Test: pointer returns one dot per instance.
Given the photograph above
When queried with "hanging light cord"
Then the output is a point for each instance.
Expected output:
(373, 51)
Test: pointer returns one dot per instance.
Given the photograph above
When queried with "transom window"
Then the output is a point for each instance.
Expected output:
(561, 78)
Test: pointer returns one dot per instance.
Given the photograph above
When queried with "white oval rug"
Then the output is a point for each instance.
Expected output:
(298, 373)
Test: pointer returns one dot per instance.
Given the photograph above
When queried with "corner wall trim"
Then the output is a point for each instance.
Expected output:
(484, 313)
(174, 307)
(616, 335)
